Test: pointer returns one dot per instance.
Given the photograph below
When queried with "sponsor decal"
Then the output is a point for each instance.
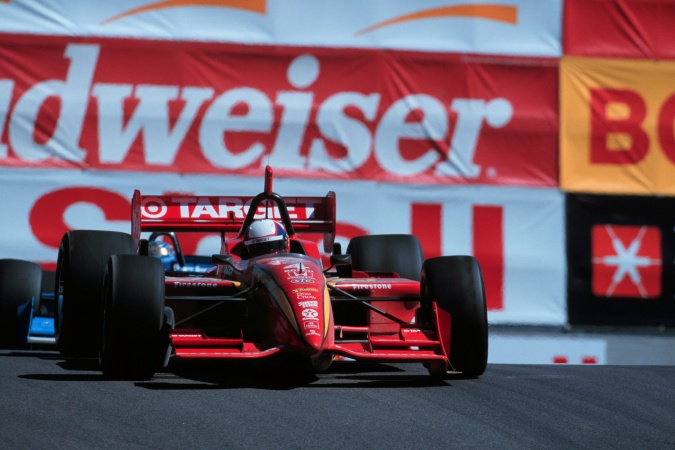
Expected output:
(311, 324)
(258, 240)
(194, 207)
(415, 330)
(310, 294)
(299, 273)
(372, 286)
(309, 304)
(281, 261)
(310, 314)
(199, 284)
(153, 208)
(304, 289)
(626, 261)
(303, 280)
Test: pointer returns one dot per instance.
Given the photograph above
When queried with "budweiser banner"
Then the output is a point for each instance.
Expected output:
(517, 234)
(620, 260)
(617, 119)
(188, 107)
(526, 27)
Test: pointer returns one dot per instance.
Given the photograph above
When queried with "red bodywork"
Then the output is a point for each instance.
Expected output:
(247, 308)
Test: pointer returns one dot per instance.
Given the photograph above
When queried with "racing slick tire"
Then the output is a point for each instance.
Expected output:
(20, 282)
(80, 266)
(133, 342)
(455, 283)
(400, 253)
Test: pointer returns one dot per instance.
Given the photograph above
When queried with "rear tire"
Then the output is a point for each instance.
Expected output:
(133, 341)
(20, 282)
(81, 263)
(455, 283)
(400, 253)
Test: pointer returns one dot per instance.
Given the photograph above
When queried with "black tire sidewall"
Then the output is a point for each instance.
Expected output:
(455, 283)
(132, 316)
(81, 263)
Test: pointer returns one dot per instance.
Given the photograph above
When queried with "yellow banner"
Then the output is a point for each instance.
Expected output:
(616, 126)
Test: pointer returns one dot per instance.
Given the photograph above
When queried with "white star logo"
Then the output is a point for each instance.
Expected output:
(627, 261)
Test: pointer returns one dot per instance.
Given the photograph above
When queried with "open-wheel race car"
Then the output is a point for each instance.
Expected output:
(267, 293)
(26, 305)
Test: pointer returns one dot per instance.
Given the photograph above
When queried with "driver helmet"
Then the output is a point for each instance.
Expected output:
(164, 252)
(265, 236)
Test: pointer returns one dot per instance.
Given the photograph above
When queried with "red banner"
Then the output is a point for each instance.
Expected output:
(619, 28)
(197, 107)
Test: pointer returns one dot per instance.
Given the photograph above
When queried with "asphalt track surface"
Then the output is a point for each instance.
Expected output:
(49, 402)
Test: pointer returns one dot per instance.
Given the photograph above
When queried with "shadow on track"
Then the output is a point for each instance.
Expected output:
(30, 354)
(223, 375)
(228, 375)
(63, 377)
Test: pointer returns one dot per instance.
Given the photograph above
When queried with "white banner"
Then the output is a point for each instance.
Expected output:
(526, 27)
(542, 349)
(517, 234)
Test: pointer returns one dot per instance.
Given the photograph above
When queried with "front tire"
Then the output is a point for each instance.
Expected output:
(20, 282)
(132, 343)
(81, 263)
(455, 283)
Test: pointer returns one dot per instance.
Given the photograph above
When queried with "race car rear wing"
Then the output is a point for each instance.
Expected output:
(228, 214)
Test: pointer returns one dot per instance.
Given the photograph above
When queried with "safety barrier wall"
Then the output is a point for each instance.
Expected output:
(462, 122)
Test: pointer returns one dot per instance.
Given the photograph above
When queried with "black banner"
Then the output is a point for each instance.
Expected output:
(620, 252)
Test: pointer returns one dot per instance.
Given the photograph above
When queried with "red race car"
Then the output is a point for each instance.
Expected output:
(267, 293)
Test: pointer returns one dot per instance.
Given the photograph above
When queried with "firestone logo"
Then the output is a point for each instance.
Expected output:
(196, 284)
(626, 261)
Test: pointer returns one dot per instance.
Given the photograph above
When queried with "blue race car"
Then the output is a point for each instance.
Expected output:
(27, 300)
(26, 305)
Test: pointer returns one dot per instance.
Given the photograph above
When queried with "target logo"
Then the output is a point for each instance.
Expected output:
(153, 208)
(626, 261)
